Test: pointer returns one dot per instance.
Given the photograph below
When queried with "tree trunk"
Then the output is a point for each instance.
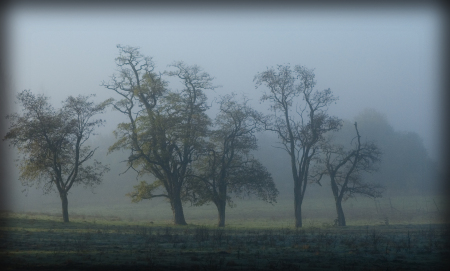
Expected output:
(338, 202)
(177, 209)
(340, 213)
(221, 201)
(65, 206)
(221, 209)
(298, 206)
(298, 215)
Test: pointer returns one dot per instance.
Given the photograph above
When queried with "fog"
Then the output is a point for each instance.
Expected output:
(386, 59)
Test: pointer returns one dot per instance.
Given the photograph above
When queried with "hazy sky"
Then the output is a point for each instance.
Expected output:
(386, 59)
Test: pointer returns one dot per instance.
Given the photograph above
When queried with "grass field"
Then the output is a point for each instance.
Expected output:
(316, 211)
(392, 234)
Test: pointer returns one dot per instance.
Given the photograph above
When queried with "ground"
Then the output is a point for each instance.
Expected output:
(37, 241)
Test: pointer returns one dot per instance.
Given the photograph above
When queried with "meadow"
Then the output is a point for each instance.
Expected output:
(401, 233)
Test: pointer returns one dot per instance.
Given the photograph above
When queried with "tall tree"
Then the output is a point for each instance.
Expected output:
(300, 127)
(164, 129)
(52, 142)
(227, 167)
(345, 169)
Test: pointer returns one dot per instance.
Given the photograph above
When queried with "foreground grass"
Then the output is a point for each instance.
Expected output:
(41, 241)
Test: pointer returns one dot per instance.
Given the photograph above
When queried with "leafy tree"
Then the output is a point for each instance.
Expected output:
(299, 128)
(345, 168)
(164, 129)
(227, 166)
(52, 142)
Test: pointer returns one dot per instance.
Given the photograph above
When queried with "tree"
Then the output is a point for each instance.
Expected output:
(227, 167)
(164, 129)
(301, 130)
(345, 169)
(52, 142)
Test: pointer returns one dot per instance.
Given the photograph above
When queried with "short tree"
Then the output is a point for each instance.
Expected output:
(227, 166)
(345, 169)
(300, 127)
(53, 143)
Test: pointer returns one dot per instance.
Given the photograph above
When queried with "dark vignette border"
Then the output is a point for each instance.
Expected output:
(231, 5)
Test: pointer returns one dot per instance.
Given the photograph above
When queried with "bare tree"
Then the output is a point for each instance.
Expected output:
(53, 143)
(301, 127)
(345, 169)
